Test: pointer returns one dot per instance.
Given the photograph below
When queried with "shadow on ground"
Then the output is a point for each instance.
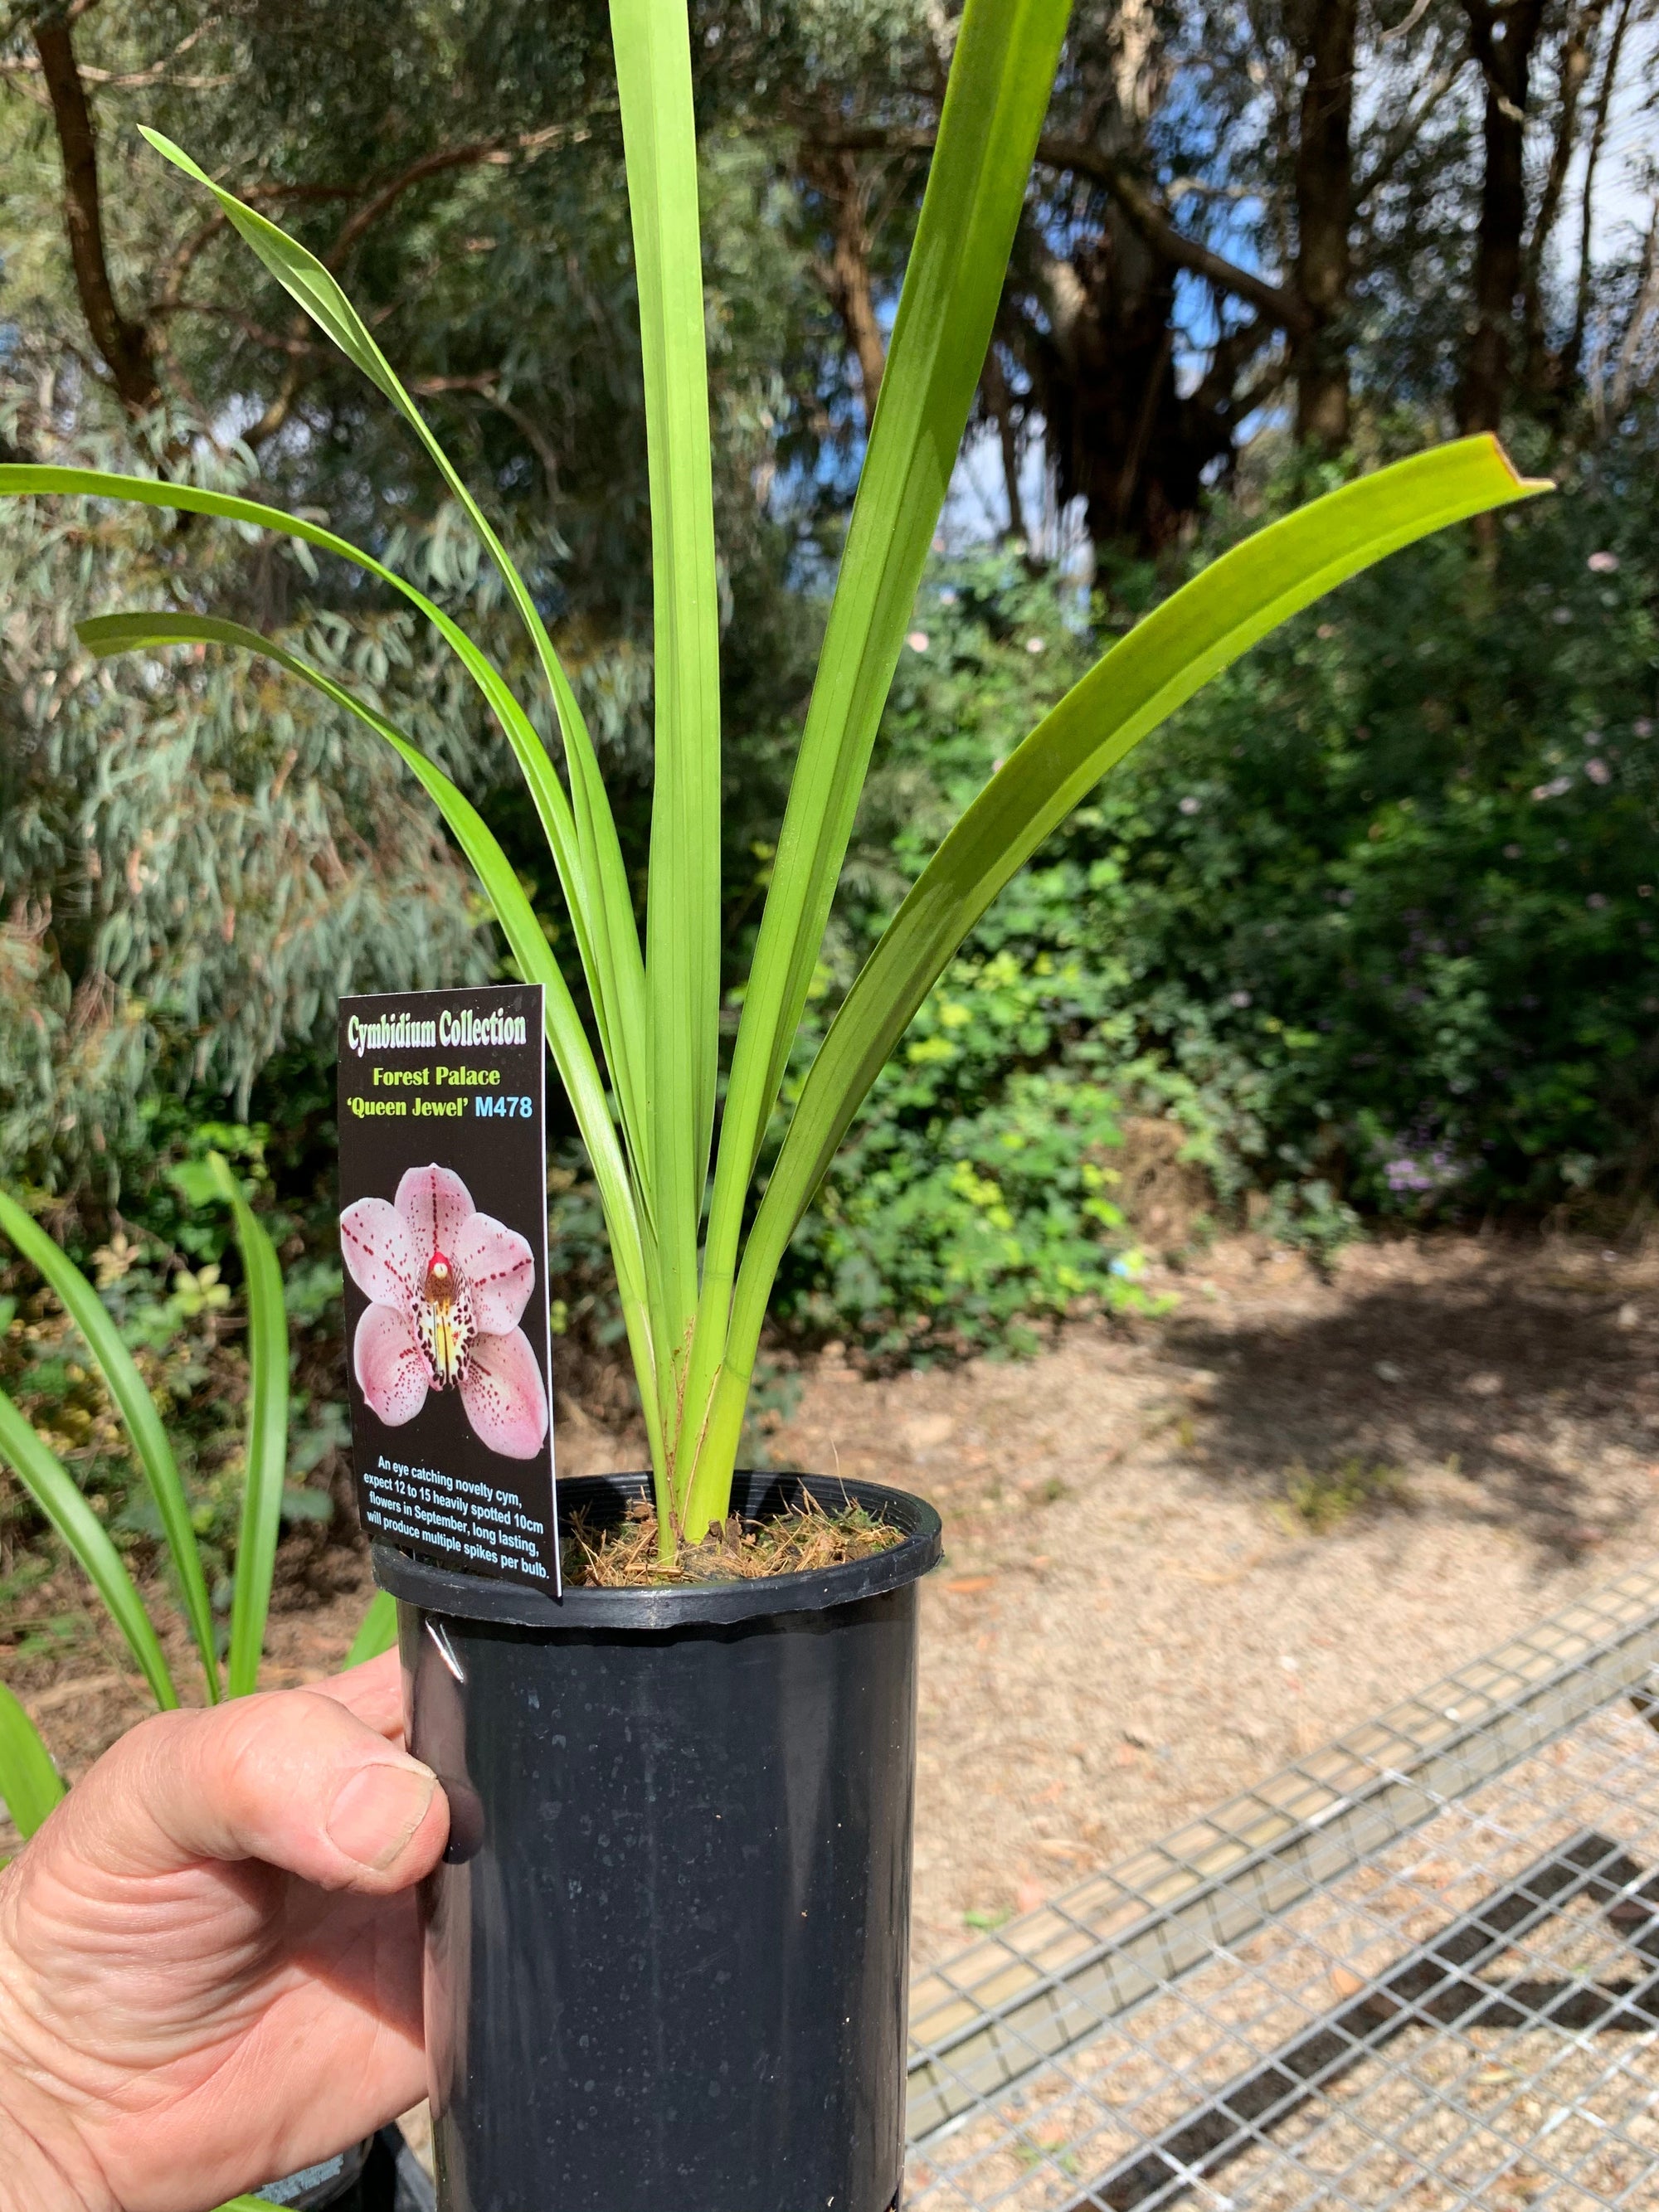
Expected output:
(1519, 1377)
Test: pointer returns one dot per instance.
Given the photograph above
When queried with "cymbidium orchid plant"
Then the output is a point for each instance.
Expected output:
(695, 1246)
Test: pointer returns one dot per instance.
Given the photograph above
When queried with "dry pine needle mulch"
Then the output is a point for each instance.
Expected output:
(805, 1540)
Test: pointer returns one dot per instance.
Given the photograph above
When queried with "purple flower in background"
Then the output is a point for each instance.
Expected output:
(1421, 1166)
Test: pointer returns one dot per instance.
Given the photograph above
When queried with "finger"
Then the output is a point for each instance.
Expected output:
(290, 1777)
(374, 1691)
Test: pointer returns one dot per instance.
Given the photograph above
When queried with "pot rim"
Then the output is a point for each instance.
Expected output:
(683, 1605)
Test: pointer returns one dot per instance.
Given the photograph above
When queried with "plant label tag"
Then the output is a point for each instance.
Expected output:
(443, 1234)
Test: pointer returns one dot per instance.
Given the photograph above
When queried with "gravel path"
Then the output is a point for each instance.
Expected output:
(1133, 1621)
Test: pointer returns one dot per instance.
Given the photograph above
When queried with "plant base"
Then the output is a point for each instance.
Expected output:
(803, 1540)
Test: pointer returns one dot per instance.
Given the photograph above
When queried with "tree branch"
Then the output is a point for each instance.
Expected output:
(292, 342)
(1575, 346)
(1501, 39)
(999, 402)
(278, 409)
(1078, 157)
(845, 276)
(493, 152)
(1276, 301)
(534, 436)
(1578, 53)
(301, 350)
(1404, 134)
(155, 73)
(1647, 299)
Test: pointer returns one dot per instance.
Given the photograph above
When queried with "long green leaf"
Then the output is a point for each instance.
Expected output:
(126, 632)
(28, 1780)
(1000, 74)
(621, 1024)
(378, 1630)
(267, 1437)
(47, 1482)
(610, 914)
(1162, 663)
(137, 1410)
(652, 41)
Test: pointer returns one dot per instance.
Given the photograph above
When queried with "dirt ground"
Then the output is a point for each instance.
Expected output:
(1180, 1550)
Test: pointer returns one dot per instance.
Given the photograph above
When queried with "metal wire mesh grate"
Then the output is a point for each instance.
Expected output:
(1419, 1968)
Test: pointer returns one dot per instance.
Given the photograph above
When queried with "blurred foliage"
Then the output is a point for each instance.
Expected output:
(176, 1299)
(943, 1231)
(1373, 919)
(195, 860)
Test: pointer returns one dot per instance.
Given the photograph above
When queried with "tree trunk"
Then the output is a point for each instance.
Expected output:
(1102, 371)
(1573, 352)
(999, 405)
(124, 346)
(1543, 370)
(1502, 39)
(1326, 33)
(845, 276)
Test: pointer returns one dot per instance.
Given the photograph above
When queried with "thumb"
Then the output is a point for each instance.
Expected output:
(290, 1777)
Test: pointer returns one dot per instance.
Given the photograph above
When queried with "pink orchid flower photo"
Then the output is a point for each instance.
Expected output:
(447, 1286)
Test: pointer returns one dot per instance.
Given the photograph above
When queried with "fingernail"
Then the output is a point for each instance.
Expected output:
(377, 1810)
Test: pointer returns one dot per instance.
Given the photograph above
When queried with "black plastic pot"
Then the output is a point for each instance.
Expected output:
(666, 1955)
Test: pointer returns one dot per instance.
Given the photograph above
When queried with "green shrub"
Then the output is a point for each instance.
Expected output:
(966, 1227)
(1373, 917)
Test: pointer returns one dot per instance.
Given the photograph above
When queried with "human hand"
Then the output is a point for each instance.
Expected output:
(209, 1955)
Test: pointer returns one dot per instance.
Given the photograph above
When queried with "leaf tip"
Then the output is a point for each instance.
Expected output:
(168, 148)
(226, 1184)
(1525, 487)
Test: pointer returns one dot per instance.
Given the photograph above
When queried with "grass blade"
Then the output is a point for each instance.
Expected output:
(1000, 76)
(652, 41)
(609, 913)
(28, 1780)
(267, 1437)
(48, 1483)
(379, 1631)
(125, 633)
(619, 1002)
(1160, 665)
(137, 1410)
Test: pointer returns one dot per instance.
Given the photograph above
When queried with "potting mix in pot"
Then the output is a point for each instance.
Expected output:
(674, 1711)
